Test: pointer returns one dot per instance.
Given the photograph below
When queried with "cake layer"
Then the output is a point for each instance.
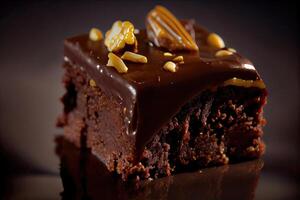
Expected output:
(147, 87)
(217, 126)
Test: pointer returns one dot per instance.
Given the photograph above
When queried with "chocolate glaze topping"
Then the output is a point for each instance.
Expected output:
(149, 94)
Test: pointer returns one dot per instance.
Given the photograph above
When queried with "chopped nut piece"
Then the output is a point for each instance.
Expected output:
(166, 31)
(134, 57)
(222, 53)
(92, 83)
(232, 50)
(170, 66)
(121, 34)
(215, 40)
(95, 34)
(117, 63)
(181, 62)
(178, 59)
(168, 54)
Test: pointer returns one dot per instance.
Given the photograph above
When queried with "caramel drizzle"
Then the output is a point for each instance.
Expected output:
(245, 83)
(168, 31)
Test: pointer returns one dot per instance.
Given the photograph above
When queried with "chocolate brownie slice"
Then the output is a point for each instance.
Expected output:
(198, 106)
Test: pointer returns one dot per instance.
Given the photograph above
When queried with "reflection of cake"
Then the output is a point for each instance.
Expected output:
(85, 177)
(169, 99)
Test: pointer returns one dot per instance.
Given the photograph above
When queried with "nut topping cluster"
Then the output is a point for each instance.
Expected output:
(172, 65)
(163, 30)
(120, 35)
(216, 41)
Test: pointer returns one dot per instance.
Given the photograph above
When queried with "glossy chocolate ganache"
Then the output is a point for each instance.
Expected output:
(151, 95)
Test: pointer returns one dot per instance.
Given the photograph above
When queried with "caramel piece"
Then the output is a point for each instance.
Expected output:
(164, 30)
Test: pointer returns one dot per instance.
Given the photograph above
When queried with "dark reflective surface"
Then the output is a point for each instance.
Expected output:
(31, 36)
(84, 177)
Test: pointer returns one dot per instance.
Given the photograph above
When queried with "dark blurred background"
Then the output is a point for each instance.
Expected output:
(31, 43)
